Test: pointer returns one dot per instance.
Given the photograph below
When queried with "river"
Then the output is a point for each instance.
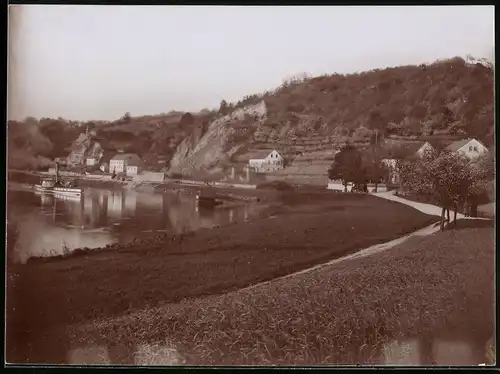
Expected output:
(51, 225)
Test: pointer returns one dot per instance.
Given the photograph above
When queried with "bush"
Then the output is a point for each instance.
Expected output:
(176, 176)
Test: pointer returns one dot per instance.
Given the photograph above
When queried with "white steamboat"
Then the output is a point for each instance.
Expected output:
(58, 187)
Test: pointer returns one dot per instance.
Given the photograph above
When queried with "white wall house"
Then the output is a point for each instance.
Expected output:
(125, 162)
(90, 161)
(116, 166)
(266, 161)
(471, 148)
(132, 169)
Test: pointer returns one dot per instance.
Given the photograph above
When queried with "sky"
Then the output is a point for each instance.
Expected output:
(84, 62)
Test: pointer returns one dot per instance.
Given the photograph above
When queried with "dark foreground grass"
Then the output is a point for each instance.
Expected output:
(110, 283)
(438, 288)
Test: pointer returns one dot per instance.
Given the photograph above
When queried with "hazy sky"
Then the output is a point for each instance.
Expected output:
(98, 62)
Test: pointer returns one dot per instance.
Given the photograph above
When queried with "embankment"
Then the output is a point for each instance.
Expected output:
(307, 229)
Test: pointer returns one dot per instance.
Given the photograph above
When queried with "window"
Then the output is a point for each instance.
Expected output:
(470, 148)
(475, 148)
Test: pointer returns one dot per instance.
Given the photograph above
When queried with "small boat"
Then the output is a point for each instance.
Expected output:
(207, 200)
(58, 188)
(46, 185)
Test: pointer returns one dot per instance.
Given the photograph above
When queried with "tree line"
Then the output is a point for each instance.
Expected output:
(449, 179)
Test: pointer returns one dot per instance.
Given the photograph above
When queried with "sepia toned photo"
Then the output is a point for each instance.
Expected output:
(250, 186)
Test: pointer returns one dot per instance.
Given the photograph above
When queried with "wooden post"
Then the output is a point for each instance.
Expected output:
(57, 171)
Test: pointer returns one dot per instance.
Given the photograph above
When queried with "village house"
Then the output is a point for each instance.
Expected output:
(130, 163)
(470, 148)
(404, 151)
(75, 158)
(265, 161)
(91, 161)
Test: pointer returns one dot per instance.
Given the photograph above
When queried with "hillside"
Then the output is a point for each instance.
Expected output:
(306, 119)
(28, 147)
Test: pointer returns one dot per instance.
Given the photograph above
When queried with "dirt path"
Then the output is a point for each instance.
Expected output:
(423, 207)
(389, 195)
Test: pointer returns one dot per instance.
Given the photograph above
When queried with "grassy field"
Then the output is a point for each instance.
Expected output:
(399, 306)
(306, 229)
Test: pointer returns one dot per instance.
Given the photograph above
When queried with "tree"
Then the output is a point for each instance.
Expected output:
(376, 172)
(224, 107)
(348, 166)
(448, 177)
(126, 117)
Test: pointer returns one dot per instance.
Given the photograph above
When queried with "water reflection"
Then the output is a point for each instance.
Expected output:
(143, 355)
(49, 223)
(439, 351)
(395, 353)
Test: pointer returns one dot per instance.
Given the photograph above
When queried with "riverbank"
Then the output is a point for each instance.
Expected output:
(300, 230)
(31, 178)
(428, 301)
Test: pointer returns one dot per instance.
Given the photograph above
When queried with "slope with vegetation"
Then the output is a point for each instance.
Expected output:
(308, 118)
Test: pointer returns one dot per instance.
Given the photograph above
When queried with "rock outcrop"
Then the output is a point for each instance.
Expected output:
(85, 146)
(202, 150)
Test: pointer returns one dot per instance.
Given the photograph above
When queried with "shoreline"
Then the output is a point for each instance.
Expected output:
(307, 230)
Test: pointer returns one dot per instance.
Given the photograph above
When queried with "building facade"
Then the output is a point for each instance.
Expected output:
(266, 161)
(125, 163)
(471, 148)
(91, 161)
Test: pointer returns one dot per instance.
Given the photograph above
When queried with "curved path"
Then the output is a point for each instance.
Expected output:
(431, 229)
(101, 353)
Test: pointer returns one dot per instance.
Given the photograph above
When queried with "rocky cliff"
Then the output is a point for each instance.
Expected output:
(312, 117)
(86, 146)
(204, 149)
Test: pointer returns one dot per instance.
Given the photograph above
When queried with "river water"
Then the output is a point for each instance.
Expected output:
(50, 225)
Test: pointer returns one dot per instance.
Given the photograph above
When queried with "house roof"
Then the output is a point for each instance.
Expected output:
(403, 150)
(455, 146)
(260, 154)
(131, 159)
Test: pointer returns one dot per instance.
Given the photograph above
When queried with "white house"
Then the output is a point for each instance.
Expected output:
(125, 162)
(132, 170)
(265, 161)
(91, 161)
(406, 151)
(471, 148)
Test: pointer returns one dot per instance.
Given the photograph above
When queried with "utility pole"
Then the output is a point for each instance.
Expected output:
(376, 160)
